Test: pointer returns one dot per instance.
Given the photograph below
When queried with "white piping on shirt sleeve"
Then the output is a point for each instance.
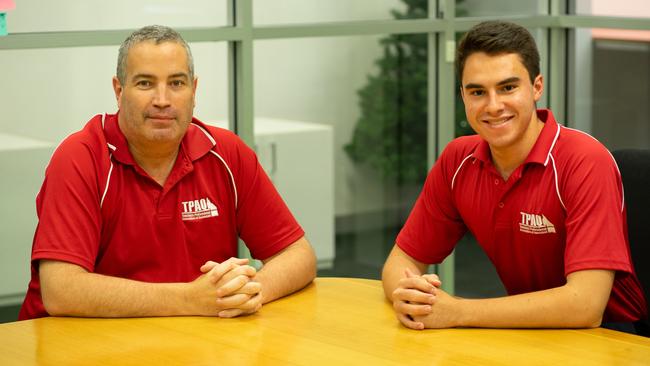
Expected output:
(108, 179)
(557, 134)
(557, 186)
(457, 170)
(232, 177)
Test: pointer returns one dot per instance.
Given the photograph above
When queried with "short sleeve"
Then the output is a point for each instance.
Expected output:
(595, 225)
(264, 221)
(434, 226)
(68, 208)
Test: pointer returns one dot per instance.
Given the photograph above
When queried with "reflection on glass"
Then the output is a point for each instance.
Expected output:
(619, 8)
(622, 8)
(314, 11)
(370, 92)
(620, 87)
(485, 8)
(74, 15)
(76, 83)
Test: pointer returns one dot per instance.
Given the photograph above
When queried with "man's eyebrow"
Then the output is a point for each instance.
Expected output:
(150, 76)
(142, 76)
(513, 79)
(179, 75)
(473, 86)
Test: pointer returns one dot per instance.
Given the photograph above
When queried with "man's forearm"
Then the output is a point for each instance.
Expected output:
(287, 271)
(554, 308)
(579, 303)
(73, 291)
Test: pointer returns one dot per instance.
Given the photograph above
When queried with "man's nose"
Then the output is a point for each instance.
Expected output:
(495, 105)
(161, 97)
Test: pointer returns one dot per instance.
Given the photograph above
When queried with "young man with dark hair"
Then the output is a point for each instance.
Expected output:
(141, 211)
(545, 202)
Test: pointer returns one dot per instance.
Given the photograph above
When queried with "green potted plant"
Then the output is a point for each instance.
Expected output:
(391, 134)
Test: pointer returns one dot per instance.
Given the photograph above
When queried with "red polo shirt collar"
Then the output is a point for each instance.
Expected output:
(542, 148)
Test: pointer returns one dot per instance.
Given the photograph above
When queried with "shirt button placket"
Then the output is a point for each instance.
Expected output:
(497, 182)
(156, 200)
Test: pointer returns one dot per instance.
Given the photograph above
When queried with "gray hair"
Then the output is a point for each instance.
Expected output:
(156, 33)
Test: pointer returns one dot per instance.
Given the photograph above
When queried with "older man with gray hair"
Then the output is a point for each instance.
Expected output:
(140, 212)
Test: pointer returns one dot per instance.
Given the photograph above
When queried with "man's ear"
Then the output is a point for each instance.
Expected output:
(194, 84)
(538, 87)
(117, 89)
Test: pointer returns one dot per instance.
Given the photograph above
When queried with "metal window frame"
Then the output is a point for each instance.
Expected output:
(440, 26)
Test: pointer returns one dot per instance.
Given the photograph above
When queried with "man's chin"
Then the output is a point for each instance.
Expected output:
(160, 122)
(163, 135)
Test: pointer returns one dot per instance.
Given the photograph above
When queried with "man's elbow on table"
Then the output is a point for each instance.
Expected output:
(53, 305)
(588, 316)
(300, 256)
(589, 292)
(56, 293)
(584, 317)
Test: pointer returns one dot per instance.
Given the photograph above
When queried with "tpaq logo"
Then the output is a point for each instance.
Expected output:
(535, 224)
(199, 209)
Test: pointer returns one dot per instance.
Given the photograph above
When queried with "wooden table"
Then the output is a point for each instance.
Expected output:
(335, 321)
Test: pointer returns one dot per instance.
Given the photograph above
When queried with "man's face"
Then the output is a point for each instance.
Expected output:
(500, 99)
(157, 99)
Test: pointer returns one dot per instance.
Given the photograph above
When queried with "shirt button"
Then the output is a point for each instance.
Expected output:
(496, 181)
(501, 205)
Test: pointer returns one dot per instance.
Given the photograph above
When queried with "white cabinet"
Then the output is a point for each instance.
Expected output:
(22, 167)
(298, 157)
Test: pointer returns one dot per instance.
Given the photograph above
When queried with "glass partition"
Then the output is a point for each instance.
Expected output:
(610, 84)
(491, 8)
(370, 94)
(55, 91)
(619, 8)
(73, 15)
(314, 11)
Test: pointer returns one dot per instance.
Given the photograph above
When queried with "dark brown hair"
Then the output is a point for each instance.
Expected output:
(498, 37)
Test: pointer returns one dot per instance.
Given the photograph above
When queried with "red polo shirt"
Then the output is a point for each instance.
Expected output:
(561, 211)
(98, 209)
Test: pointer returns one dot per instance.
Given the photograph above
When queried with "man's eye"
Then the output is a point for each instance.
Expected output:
(143, 83)
(178, 83)
(509, 87)
(476, 93)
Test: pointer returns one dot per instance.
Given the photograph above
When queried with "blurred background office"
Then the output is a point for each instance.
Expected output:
(347, 102)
